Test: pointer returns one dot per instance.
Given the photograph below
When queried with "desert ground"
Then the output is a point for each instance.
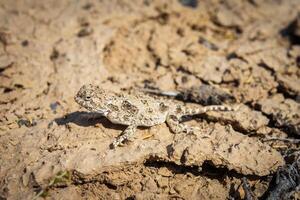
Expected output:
(237, 53)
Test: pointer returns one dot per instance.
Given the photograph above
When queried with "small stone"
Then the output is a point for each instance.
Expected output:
(150, 185)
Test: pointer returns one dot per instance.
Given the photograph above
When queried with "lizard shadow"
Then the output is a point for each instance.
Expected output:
(87, 119)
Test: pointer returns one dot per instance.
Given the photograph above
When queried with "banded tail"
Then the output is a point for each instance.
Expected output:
(196, 111)
(218, 108)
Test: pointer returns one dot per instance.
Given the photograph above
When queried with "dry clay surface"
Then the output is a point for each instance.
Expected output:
(49, 49)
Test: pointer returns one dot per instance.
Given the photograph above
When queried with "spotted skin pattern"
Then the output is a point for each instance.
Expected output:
(138, 110)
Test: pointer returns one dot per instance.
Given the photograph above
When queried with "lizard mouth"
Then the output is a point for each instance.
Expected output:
(90, 106)
(83, 103)
(79, 101)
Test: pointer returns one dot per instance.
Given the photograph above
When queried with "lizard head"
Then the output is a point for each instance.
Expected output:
(93, 98)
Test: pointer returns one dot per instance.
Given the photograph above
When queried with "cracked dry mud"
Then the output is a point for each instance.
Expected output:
(49, 49)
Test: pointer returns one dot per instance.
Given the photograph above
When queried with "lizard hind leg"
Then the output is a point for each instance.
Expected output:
(125, 135)
(173, 120)
(176, 127)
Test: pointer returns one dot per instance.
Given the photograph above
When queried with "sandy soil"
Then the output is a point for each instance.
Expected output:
(52, 148)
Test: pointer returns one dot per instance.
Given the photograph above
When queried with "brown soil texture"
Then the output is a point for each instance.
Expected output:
(51, 148)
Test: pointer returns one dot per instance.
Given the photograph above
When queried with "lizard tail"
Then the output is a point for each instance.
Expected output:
(196, 111)
(218, 108)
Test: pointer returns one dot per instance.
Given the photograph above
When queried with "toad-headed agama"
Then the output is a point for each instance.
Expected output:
(136, 110)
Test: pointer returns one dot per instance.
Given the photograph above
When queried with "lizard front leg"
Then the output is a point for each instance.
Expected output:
(125, 135)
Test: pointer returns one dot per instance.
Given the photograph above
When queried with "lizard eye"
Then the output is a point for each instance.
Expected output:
(87, 98)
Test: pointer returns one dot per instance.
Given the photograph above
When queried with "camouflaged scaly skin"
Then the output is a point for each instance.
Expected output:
(136, 110)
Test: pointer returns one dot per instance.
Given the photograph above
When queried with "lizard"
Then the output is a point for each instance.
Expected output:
(139, 110)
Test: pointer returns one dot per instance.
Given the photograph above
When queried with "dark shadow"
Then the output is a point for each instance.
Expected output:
(289, 32)
(87, 119)
(170, 150)
(207, 169)
(189, 3)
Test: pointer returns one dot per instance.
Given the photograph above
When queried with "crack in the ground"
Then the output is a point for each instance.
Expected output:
(155, 58)
(207, 169)
(273, 121)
